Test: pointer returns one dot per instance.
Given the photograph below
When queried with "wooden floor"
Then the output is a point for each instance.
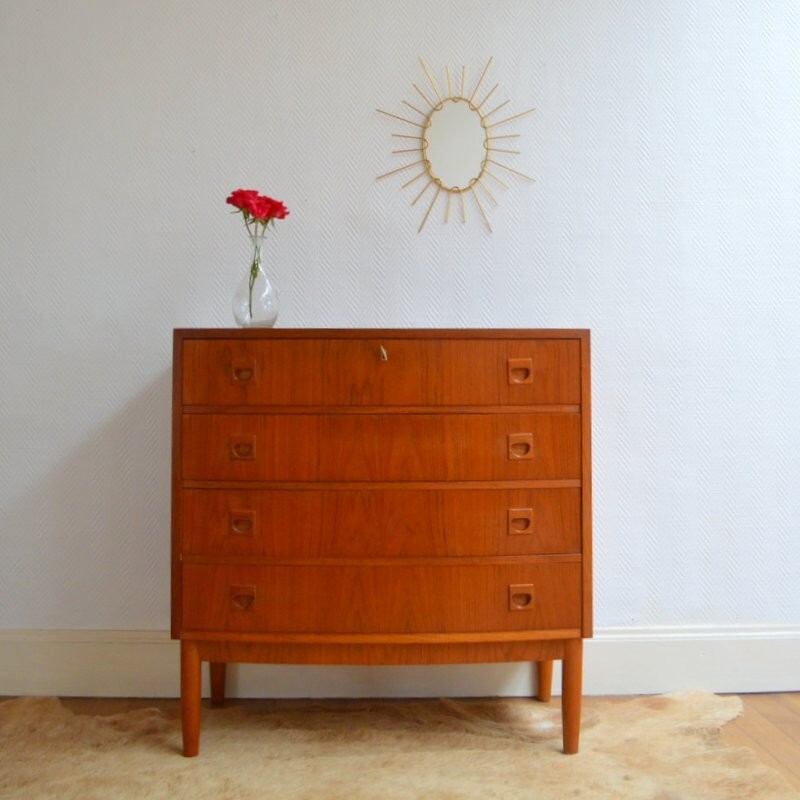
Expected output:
(769, 725)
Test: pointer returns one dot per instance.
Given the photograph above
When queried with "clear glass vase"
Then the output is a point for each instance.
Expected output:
(255, 303)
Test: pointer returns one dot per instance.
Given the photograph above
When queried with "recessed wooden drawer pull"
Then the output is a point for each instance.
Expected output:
(241, 523)
(243, 597)
(520, 521)
(383, 354)
(243, 370)
(520, 446)
(242, 448)
(520, 596)
(520, 370)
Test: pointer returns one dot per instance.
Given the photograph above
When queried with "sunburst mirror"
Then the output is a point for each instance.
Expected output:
(456, 146)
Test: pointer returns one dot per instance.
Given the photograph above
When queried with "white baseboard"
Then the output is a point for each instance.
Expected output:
(617, 661)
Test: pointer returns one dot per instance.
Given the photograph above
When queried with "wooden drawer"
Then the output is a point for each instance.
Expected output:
(382, 599)
(380, 447)
(324, 372)
(379, 523)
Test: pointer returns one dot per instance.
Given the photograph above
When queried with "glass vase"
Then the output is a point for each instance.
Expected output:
(255, 303)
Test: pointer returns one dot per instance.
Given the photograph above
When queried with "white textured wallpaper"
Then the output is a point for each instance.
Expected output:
(665, 216)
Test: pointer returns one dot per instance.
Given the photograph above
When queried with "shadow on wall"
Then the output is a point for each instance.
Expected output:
(88, 546)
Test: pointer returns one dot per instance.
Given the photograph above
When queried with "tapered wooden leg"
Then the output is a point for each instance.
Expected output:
(217, 672)
(544, 670)
(190, 698)
(571, 689)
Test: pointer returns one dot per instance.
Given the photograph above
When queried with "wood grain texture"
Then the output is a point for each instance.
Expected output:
(347, 371)
(176, 540)
(190, 697)
(586, 484)
(232, 649)
(770, 726)
(368, 639)
(392, 447)
(376, 599)
(381, 497)
(571, 682)
(324, 523)
(544, 675)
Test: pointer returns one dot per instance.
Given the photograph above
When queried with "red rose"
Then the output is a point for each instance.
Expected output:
(243, 199)
(264, 208)
(257, 207)
(279, 210)
(261, 208)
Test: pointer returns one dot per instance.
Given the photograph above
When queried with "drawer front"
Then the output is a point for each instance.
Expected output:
(371, 372)
(381, 447)
(381, 599)
(379, 523)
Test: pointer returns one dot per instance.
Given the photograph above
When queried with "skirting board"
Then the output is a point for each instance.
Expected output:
(617, 661)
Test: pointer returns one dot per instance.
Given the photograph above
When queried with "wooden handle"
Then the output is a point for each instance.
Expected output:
(520, 521)
(243, 370)
(241, 523)
(520, 371)
(243, 597)
(520, 596)
(243, 447)
(520, 446)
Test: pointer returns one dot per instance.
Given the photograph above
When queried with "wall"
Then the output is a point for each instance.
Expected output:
(664, 217)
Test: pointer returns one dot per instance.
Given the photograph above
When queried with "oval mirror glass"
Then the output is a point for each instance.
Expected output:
(454, 144)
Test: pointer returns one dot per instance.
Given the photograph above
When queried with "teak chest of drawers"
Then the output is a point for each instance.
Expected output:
(381, 497)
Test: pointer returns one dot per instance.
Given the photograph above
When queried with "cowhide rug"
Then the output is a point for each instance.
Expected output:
(660, 748)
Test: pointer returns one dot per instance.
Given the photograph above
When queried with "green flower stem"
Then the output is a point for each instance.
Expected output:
(252, 229)
(254, 273)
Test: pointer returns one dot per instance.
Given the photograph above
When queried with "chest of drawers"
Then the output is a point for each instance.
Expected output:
(381, 497)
